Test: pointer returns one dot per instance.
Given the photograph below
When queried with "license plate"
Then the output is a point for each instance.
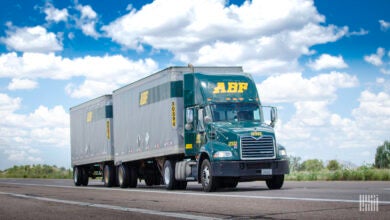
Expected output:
(266, 171)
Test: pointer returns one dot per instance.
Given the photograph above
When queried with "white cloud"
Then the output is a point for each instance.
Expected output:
(361, 32)
(23, 135)
(87, 20)
(31, 39)
(102, 74)
(314, 129)
(17, 84)
(263, 36)
(326, 61)
(54, 14)
(384, 25)
(376, 59)
(8, 104)
(293, 87)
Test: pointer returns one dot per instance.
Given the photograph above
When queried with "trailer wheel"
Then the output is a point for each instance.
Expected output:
(123, 176)
(133, 177)
(77, 176)
(150, 180)
(276, 182)
(209, 183)
(109, 175)
(169, 175)
(84, 176)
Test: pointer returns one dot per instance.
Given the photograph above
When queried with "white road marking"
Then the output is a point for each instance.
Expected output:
(203, 194)
(111, 207)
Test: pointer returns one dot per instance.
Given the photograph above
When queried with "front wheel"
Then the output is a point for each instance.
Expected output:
(276, 182)
(209, 183)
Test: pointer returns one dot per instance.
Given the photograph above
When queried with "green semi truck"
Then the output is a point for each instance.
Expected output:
(181, 124)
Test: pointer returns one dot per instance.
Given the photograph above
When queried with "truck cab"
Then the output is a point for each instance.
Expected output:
(227, 133)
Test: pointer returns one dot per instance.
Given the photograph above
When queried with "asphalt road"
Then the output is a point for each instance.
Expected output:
(59, 199)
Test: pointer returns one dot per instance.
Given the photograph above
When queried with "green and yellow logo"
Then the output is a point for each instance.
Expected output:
(231, 87)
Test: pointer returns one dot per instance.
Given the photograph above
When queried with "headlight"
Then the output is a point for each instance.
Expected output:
(219, 154)
(282, 152)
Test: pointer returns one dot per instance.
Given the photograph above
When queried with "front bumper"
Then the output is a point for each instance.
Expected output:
(250, 170)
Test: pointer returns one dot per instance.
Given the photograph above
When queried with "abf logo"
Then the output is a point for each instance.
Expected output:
(232, 87)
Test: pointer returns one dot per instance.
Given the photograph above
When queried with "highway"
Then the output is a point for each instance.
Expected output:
(59, 199)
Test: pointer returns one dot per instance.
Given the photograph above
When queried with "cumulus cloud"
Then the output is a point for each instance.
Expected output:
(263, 36)
(314, 129)
(376, 59)
(293, 87)
(101, 73)
(54, 14)
(87, 20)
(384, 25)
(326, 61)
(17, 84)
(31, 39)
(22, 135)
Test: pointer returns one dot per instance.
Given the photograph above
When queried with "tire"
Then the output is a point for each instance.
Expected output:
(77, 174)
(133, 177)
(109, 175)
(228, 183)
(209, 183)
(276, 182)
(84, 176)
(169, 175)
(151, 180)
(123, 176)
(182, 185)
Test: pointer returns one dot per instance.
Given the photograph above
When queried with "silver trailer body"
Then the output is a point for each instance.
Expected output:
(149, 114)
(91, 127)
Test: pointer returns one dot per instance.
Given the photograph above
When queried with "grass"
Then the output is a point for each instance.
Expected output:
(359, 174)
(36, 171)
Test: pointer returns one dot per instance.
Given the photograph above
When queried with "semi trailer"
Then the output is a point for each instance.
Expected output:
(181, 124)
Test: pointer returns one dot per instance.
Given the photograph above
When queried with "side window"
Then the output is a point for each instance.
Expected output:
(200, 120)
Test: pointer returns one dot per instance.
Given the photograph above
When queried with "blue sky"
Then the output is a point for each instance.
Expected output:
(324, 64)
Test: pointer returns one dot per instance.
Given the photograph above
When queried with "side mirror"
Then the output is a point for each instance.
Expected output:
(189, 119)
(189, 115)
(274, 116)
(207, 119)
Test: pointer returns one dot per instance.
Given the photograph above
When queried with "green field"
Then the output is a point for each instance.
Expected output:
(36, 171)
(361, 174)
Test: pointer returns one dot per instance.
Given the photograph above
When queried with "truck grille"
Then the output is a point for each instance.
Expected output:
(261, 148)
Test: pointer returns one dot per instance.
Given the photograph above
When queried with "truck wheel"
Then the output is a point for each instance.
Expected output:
(123, 176)
(209, 183)
(109, 175)
(276, 182)
(77, 176)
(228, 183)
(169, 175)
(133, 177)
(182, 185)
(84, 176)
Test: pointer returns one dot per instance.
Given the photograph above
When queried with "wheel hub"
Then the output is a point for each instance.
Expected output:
(206, 176)
(167, 175)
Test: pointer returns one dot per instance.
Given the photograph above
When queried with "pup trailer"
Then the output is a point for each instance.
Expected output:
(181, 124)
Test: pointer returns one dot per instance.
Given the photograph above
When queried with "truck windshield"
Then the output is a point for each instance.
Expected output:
(235, 112)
